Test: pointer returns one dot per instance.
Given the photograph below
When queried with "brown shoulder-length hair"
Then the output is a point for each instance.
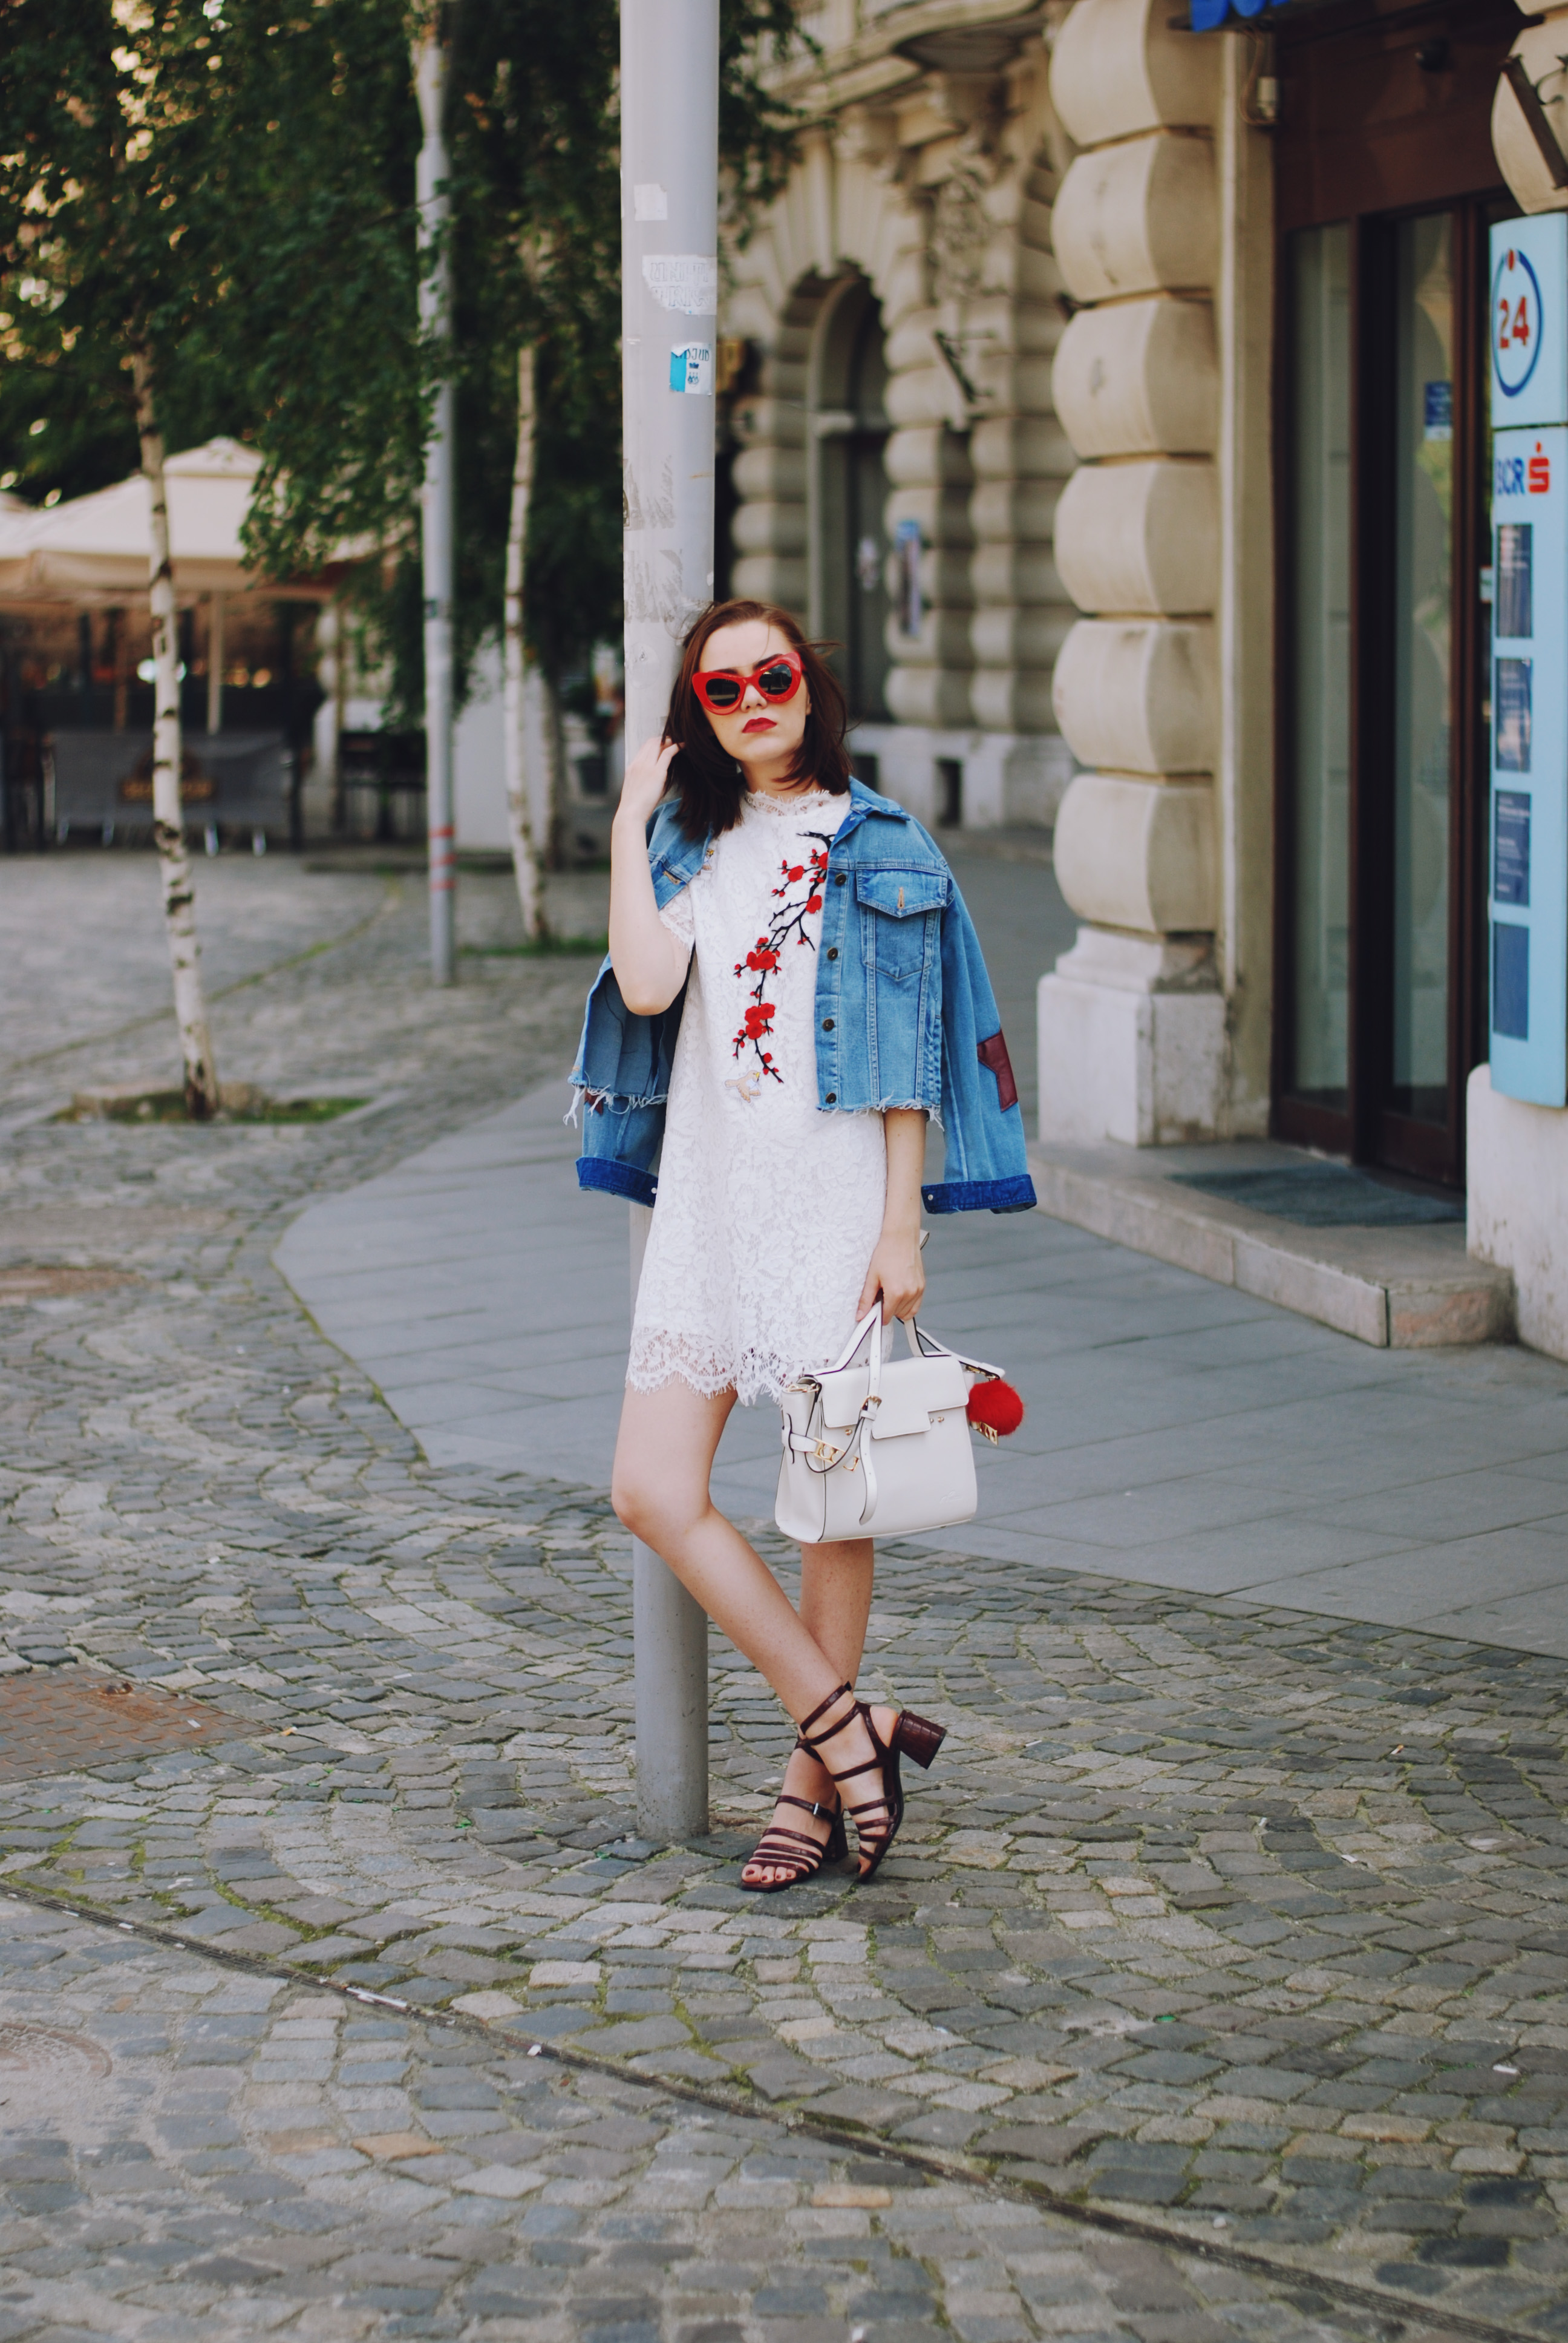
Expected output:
(708, 782)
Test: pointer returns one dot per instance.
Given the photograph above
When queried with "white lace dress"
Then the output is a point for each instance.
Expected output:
(768, 1209)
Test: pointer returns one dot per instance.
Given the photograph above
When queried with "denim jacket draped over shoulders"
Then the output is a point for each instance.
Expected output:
(905, 1018)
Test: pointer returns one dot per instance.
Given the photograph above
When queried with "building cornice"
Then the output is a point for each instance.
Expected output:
(886, 58)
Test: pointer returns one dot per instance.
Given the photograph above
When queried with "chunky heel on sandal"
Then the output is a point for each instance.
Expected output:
(918, 1738)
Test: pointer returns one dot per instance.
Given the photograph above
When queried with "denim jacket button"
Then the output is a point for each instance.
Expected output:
(838, 877)
(832, 1097)
(832, 952)
(827, 1024)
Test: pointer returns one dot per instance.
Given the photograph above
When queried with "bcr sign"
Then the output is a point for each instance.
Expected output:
(1528, 830)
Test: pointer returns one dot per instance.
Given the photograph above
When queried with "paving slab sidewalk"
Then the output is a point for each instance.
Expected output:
(1179, 1432)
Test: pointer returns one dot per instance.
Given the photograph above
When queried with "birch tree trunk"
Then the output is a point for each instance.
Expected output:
(168, 821)
(550, 820)
(526, 841)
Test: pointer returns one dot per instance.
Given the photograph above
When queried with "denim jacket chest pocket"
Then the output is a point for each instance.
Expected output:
(900, 909)
(900, 912)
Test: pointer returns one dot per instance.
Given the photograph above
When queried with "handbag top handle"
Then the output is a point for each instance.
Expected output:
(921, 1346)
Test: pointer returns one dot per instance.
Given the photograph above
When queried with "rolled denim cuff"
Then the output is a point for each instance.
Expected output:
(1014, 1195)
(617, 1178)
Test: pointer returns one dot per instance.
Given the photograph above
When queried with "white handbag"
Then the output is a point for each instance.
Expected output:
(876, 1448)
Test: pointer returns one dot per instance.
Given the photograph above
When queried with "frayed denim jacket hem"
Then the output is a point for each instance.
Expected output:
(905, 1014)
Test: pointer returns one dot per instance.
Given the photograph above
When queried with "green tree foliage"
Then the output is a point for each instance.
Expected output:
(96, 248)
(535, 233)
(229, 184)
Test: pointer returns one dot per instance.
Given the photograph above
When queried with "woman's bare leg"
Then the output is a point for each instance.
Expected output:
(659, 1489)
(836, 1600)
(835, 1604)
(663, 1458)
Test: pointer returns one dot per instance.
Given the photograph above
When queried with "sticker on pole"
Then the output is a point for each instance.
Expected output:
(691, 367)
(686, 281)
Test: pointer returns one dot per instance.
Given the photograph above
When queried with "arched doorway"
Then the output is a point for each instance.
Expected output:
(848, 535)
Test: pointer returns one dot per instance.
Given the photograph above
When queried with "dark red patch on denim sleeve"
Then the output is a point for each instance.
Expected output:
(993, 1053)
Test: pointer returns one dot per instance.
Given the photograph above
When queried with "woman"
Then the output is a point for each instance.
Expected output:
(793, 987)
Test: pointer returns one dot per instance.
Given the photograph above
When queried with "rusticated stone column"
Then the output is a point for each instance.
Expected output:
(1018, 449)
(936, 192)
(1133, 1020)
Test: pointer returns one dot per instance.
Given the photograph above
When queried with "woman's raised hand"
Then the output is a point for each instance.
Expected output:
(647, 778)
(649, 963)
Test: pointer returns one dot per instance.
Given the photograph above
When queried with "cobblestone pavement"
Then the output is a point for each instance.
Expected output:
(193, 2152)
(1242, 1926)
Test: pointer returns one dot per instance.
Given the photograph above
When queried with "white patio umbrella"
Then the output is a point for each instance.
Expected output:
(93, 551)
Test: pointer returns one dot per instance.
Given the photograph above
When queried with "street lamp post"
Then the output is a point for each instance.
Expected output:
(669, 302)
(435, 494)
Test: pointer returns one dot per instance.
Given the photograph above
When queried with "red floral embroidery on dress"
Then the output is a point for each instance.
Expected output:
(797, 900)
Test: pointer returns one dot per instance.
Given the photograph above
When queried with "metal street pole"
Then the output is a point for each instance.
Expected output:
(669, 1631)
(436, 495)
(669, 306)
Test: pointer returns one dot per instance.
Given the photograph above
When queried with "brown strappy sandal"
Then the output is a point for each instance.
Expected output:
(804, 1855)
(876, 1820)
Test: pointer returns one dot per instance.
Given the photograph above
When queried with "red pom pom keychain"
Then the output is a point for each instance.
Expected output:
(994, 1409)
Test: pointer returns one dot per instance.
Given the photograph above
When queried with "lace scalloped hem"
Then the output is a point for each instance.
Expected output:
(659, 1358)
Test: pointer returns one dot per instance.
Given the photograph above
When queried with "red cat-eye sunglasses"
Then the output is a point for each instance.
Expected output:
(777, 677)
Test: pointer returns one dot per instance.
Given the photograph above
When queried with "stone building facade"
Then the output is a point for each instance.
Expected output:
(1155, 1026)
(897, 457)
(1157, 338)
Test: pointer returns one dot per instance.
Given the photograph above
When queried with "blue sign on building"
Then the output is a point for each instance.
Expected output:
(1209, 15)
(1528, 335)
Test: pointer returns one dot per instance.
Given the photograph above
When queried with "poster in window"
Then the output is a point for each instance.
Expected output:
(912, 608)
(1511, 704)
(1511, 849)
(1515, 584)
(1511, 982)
